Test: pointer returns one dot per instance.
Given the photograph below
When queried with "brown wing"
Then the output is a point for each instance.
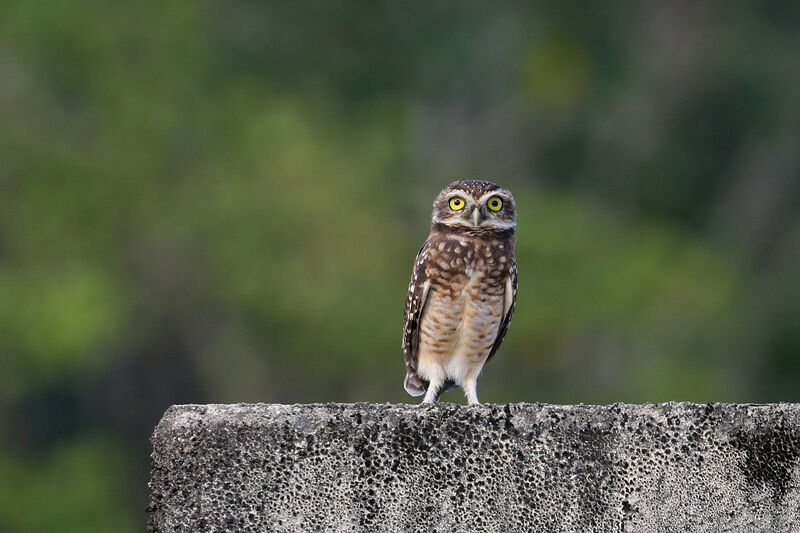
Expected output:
(415, 302)
(512, 284)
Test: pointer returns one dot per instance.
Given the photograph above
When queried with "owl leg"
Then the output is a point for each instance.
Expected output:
(470, 390)
(434, 391)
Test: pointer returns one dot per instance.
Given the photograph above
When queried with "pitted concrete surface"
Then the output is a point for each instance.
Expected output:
(451, 468)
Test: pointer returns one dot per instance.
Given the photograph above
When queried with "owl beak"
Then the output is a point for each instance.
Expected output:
(477, 217)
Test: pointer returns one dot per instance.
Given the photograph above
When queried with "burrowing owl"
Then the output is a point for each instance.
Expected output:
(462, 292)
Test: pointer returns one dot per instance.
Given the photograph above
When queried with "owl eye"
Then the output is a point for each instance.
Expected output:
(495, 203)
(457, 203)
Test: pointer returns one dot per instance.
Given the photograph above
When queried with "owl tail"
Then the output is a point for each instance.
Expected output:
(414, 385)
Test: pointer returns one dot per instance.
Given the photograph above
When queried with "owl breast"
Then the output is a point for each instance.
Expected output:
(464, 310)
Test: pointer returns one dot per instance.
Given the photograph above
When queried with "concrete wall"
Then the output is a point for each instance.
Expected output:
(518, 467)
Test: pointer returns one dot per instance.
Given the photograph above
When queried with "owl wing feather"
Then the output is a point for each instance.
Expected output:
(508, 308)
(415, 303)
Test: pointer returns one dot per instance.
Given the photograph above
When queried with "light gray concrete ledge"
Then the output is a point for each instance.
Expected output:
(450, 468)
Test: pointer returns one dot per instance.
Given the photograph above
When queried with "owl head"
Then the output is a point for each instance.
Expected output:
(475, 207)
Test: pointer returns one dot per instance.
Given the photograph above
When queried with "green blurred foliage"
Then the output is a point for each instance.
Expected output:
(221, 202)
(81, 486)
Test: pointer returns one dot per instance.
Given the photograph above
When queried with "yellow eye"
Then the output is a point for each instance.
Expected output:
(495, 203)
(457, 203)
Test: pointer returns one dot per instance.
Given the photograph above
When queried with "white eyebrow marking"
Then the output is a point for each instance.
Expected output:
(458, 194)
(497, 192)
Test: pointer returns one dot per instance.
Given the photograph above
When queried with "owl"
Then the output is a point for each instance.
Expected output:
(462, 291)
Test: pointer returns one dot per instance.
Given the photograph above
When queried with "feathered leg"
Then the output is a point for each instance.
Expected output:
(470, 390)
(434, 391)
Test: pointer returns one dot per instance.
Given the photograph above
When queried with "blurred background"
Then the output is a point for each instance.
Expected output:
(221, 202)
